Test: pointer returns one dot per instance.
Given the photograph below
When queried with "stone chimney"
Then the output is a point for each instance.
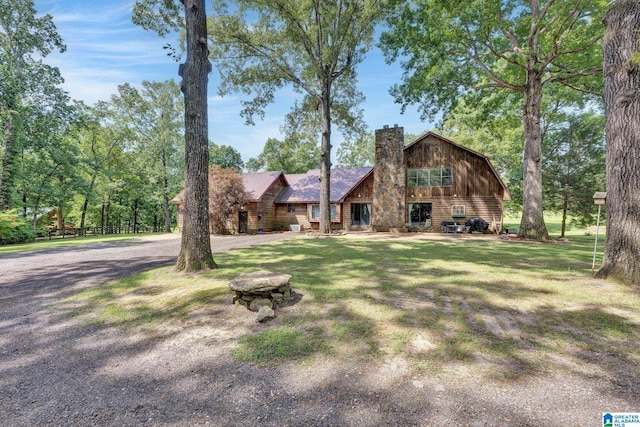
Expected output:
(389, 179)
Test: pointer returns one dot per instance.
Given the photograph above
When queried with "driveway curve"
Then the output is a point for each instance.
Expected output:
(43, 369)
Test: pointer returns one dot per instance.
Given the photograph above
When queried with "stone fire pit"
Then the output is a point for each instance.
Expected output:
(261, 291)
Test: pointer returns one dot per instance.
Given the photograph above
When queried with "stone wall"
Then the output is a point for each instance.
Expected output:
(389, 179)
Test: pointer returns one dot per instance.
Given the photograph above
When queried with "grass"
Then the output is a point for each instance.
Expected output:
(503, 309)
(58, 242)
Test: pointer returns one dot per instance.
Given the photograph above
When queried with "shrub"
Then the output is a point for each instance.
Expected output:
(14, 228)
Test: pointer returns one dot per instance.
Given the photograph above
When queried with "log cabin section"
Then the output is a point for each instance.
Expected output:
(451, 181)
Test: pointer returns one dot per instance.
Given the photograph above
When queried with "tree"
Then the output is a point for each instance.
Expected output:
(357, 153)
(293, 155)
(452, 48)
(225, 156)
(153, 117)
(622, 109)
(97, 141)
(310, 44)
(574, 166)
(226, 196)
(163, 16)
(47, 167)
(26, 83)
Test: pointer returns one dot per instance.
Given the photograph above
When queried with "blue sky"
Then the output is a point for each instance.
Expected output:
(105, 49)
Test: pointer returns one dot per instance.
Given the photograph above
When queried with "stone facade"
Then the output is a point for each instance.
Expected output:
(389, 179)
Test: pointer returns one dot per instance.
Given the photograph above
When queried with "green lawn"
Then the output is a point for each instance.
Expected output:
(504, 309)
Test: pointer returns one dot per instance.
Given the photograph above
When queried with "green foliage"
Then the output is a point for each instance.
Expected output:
(314, 46)
(14, 228)
(575, 165)
(225, 156)
(30, 91)
(357, 153)
(289, 156)
(449, 49)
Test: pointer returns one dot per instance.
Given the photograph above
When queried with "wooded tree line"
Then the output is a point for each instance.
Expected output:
(115, 164)
(519, 80)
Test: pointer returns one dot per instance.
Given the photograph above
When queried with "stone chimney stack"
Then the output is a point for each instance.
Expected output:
(389, 179)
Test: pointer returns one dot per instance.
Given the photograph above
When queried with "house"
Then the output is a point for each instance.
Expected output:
(431, 180)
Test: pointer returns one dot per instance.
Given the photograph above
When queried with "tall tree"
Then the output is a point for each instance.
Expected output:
(153, 115)
(163, 16)
(574, 166)
(293, 155)
(310, 44)
(450, 48)
(26, 83)
(622, 110)
(97, 139)
(225, 156)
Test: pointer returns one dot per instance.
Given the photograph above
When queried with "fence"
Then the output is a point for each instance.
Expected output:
(58, 233)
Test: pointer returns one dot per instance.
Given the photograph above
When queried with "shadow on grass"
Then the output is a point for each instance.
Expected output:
(507, 309)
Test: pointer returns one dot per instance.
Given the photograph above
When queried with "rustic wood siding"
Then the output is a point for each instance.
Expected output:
(265, 206)
(285, 218)
(488, 208)
(362, 193)
(475, 185)
(472, 175)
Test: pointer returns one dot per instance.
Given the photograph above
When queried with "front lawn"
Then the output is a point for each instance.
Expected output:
(501, 309)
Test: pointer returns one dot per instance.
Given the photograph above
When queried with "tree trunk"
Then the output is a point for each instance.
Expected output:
(85, 205)
(60, 221)
(165, 194)
(532, 223)
(7, 174)
(325, 161)
(565, 210)
(195, 251)
(135, 216)
(622, 107)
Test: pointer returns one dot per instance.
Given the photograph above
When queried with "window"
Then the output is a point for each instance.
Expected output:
(420, 215)
(458, 211)
(315, 212)
(291, 207)
(360, 214)
(434, 177)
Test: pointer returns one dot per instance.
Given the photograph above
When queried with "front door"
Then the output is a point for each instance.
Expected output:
(243, 221)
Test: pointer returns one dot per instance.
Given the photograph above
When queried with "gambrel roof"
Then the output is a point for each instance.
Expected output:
(507, 194)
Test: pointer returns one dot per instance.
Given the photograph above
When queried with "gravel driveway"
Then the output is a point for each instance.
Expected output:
(55, 371)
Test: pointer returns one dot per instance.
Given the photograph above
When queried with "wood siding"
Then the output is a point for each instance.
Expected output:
(362, 193)
(284, 218)
(472, 175)
(266, 207)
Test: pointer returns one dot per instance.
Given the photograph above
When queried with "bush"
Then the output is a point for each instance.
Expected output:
(14, 228)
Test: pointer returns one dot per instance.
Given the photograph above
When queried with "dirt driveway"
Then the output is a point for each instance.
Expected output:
(56, 371)
(52, 371)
